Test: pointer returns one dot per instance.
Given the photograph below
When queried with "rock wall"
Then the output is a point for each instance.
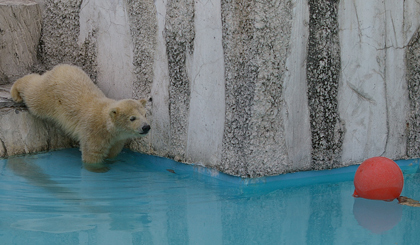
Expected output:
(252, 87)
(323, 74)
(20, 26)
(21, 133)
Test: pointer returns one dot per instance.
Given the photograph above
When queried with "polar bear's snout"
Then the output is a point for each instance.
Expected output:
(145, 129)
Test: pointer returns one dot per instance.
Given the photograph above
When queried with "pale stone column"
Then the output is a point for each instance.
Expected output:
(20, 30)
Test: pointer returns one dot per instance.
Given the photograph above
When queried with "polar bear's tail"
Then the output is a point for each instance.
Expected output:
(19, 86)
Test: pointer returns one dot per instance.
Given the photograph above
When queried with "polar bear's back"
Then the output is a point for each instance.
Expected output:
(65, 95)
(71, 83)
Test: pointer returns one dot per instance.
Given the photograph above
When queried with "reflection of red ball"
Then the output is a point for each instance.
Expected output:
(378, 178)
(375, 216)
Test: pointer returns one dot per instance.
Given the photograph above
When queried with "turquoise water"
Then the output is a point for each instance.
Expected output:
(49, 199)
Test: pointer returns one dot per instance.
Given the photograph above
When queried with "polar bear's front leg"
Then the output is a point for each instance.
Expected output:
(116, 149)
(93, 158)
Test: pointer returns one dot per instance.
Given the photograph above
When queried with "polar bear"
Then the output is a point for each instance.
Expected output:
(68, 97)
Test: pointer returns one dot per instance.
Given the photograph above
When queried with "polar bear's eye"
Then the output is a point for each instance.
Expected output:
(133, 118)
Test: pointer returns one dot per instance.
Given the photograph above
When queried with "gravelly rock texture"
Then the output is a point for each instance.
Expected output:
(255, 41)
(179, 36)
(413, 79)
(249, 87)
(20, 26)
(323, 70)
(59, 38)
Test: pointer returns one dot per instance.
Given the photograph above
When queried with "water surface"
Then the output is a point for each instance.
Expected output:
(49, 199)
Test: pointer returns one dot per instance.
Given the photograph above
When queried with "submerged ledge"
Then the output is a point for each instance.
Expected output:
(409, 166)
(250, 185)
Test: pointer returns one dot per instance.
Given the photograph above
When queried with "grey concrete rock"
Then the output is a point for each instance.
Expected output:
(249, 87)
(21, 133)
(20, 29)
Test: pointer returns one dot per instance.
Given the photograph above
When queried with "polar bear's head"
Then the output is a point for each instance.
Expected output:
(129, 118)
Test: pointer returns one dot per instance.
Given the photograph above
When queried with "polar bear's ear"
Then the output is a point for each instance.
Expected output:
(143, 102)
(113, 112)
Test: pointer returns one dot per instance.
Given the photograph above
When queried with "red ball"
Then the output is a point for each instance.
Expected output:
(378, 178)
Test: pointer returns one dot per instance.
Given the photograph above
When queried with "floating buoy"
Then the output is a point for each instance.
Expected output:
(378, 178)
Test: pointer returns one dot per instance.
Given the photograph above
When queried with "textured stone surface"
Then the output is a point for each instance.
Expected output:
(59, 38)
(143, 26)
(207, 104)
(104, 26)
(5, 98)
(20, 28)
(413, 79)
(240, 74)
(250, 87)
(179, 36)
(373, 98)
(323, 70)
(362, 94)
(255, 41)
(295, 107)
(396, 82)
(160, 121)
(21, 133)
(412, 55)
(268, 153)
